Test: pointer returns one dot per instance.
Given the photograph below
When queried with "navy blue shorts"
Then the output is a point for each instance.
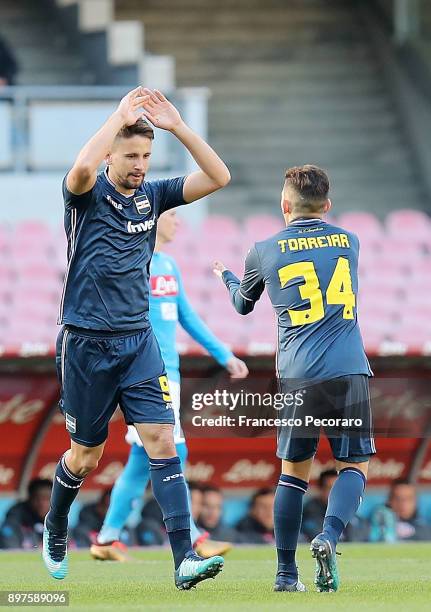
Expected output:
(99, 372)
(343, 398)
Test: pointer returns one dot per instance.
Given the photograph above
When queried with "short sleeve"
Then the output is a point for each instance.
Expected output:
(76, 201)
(170, 193)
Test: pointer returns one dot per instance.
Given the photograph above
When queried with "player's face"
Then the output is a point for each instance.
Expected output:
(263, 511)
(40, 501)
(403, 501)
(129, 161)
(211, 509)
(196, 498)
(167, 226)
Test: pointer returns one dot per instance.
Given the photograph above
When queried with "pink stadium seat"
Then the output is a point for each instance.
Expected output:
(382, 278)
(218, 225)
(415, 333)
(422, 269)
(32, 231)
(261, 226)
(410, 222)
(364, 224)
(406, 251)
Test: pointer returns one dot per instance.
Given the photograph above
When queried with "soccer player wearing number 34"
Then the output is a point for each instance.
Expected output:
(309, 270)
(107, 354)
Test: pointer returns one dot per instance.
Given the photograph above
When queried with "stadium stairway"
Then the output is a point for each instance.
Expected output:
(41, 45)
(292, 82)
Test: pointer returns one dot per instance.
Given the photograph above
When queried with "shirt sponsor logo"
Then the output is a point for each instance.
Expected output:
(145, 226)
(142, 204)
(115, 204)
(164, 285)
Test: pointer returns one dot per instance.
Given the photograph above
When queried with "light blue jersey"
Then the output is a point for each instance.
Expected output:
(169, 306)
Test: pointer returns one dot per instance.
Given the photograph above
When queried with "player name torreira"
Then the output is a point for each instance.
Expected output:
(244, 421)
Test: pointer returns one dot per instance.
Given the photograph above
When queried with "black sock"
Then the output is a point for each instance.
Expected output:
(64, 490)
(170, 491)
(287, 523)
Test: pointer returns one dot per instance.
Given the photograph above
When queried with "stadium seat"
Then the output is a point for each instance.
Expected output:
(415, 223)
(414, 332)
(260, 227)
(364, 224)
(402, 250)
(218, 225)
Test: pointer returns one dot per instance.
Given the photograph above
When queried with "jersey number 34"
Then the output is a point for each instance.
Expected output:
(339, 290)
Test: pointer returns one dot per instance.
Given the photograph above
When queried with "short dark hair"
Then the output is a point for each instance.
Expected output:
(311, 184)
(399, 481)
(260, 493)
(324, 475)
(140, 128)
(195, 486)
(38, 483)
(210, 488)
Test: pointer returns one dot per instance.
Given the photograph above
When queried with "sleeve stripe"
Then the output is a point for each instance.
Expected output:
(243, 296)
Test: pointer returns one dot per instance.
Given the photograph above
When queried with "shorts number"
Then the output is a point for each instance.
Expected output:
(164, 386)
(339, 290)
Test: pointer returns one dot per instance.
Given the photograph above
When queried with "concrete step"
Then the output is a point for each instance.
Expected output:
(355, 87)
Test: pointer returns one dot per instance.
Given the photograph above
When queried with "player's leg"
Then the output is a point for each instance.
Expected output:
(343, 502)
(69, 475)
(352, 448)
(344, 498)
(85, 370)
(182, 452)
(297, 453)
(147, 404)
(289, 495)
(203, 545)
(170, 491)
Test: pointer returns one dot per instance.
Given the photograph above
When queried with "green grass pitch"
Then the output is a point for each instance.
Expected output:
(373, 577)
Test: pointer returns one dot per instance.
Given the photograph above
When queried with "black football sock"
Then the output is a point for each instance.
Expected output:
(287, 523)
(65, 488)
(343, 502)
(170, 491)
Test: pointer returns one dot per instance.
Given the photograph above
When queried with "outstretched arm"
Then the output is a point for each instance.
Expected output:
(83, 174)
(244, 294)
(199, 331)
(213, 173)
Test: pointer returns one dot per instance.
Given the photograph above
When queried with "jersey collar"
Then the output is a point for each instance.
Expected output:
(125, 200)
(306, 221)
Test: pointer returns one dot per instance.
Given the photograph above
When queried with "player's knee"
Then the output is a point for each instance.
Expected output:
(158, 440)
(83, 463)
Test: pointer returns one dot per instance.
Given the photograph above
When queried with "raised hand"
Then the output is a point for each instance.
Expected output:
(159, 110)
(219, 268)
(131, 106)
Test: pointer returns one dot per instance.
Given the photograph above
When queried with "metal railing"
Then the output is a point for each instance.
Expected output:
(43, 128)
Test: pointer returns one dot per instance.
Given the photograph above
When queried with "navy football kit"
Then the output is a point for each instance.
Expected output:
(107, 354)
(310, 271)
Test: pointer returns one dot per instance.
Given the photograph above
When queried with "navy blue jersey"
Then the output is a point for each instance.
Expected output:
(110, 244)
(310, 270)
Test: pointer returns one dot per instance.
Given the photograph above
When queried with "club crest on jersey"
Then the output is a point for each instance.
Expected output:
(142, 204)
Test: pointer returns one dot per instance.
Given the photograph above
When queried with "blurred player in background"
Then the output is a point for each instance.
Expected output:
(310, 270)
(107, 354)
(168, 307)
